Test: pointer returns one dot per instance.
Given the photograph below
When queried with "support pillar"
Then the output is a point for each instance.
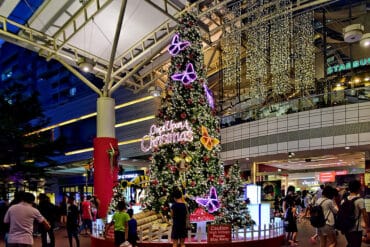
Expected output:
(254, 172)
(105, 154)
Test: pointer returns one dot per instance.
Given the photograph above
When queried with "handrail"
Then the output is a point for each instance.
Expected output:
(249, 113)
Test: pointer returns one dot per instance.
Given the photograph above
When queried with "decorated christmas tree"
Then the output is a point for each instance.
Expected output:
(118, 195)
(234, 209)
(184, 140)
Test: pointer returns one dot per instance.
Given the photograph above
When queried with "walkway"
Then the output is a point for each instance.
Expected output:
(61, 240)
(305, 231)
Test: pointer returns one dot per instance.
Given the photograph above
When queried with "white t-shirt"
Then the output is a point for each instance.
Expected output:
(21, 217)
(328, 209)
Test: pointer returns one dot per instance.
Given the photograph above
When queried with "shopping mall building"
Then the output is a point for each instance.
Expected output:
(291, 83)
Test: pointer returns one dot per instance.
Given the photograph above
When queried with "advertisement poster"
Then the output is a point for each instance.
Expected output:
(270, 189)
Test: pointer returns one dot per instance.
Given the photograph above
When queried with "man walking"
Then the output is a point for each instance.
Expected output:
(21, 217)
(47, 209)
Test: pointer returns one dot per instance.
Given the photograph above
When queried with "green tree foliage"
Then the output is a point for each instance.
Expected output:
(234, 210)
(188, 165)
(20, 115)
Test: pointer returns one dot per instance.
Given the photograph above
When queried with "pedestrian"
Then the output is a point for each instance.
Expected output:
(317, 196)
(354, 235)
(86, 215)
(327, 233)
(21, 217)
(132, 228)
(120, 221)
(73, 221)
(290, 221)
(94, 207)
(178, 214)
(47, 209)
(63, 210)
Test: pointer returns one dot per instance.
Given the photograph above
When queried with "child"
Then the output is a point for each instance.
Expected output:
(132, 228)
(120, 221)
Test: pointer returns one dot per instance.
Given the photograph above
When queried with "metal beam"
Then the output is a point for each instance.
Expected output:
(133, 71)
(107, 82)
(79, 76)
(64, 34)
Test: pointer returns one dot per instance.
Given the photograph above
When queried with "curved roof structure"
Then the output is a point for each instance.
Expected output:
(131, 55)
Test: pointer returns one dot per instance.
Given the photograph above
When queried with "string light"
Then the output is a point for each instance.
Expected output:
(231, 43)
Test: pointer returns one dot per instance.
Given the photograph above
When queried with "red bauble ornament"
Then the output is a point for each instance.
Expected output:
(183, 115)
(190, 101)
(205, 158)
(155, 182)
(193, 183)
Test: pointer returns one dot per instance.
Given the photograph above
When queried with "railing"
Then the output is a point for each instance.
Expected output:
(238, 234)
(246, 112)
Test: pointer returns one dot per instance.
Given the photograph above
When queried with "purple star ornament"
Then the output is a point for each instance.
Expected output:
(211, 202)
(186, 77)
(177, 45)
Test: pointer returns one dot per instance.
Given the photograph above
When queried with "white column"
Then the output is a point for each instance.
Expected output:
(106, 117)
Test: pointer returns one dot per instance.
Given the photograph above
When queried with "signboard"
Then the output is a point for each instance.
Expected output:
(327, 176)
(169, 132)
(219, 233)
(348, 66)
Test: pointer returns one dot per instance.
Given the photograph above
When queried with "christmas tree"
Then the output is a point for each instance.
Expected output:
(234, 209)
(118, 195)
(184, 144)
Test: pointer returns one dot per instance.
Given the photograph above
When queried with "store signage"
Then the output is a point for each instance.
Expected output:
(348, 66)
(327, 177)
(169, 132)
(311, 182)
(219, 233)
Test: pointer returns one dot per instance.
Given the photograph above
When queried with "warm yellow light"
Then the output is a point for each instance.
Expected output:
(119, 144)
(357, 80)
(134, 121)
(89, 115)
(129, 142)
(133, 102)
(79, 151)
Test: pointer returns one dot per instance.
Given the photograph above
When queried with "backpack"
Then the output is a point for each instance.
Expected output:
(346, 217)
(317, 218)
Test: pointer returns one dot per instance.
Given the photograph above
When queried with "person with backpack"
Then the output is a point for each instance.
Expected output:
(323, 217)
(352, 217)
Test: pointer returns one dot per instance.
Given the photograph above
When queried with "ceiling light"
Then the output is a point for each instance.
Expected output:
(347, 147)
(155, 91)
(365, 40)
(353, 33)
(85, 64)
